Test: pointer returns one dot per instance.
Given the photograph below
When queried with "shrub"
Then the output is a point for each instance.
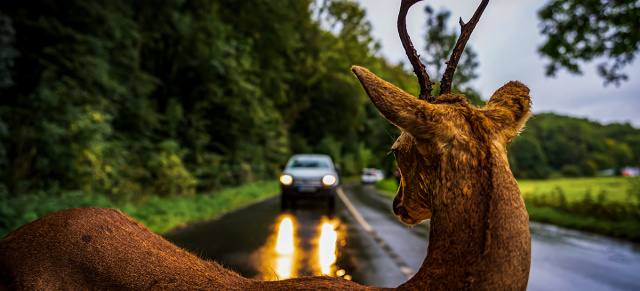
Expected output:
(171, 178)
(597, 215)
(570, 171)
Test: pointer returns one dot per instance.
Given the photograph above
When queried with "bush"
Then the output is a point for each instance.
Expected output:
(157, 213)
(171, 178)
(389, 185)
(17, 211)
(589, 169)
(111, 169)
(570, 171)
(597, 214)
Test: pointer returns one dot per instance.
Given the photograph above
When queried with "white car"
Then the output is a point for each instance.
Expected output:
(308, 176)
(370, 175)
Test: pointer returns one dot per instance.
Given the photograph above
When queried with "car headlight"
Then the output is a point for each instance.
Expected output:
(286, 180)
(328, 180)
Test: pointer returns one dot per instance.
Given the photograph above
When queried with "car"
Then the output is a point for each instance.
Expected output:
(370, 175)
(308, 176)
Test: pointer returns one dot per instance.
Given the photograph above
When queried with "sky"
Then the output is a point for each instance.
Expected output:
(506, 40)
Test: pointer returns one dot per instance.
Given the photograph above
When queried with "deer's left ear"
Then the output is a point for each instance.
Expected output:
(418, 118)
(509, 108)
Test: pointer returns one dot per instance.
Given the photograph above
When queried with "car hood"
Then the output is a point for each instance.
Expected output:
(309, 173)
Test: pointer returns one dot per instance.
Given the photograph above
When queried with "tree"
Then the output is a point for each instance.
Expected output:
(579, 30)
(440, 41)
(526, 158)
(7, 52)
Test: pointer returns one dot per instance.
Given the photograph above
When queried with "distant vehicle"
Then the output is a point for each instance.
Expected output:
(308, 176)
(370, 175)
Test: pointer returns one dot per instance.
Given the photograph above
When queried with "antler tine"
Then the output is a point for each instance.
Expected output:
(414, 58)
(465, 33)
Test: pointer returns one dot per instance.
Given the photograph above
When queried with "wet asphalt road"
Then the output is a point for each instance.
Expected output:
(259, 241)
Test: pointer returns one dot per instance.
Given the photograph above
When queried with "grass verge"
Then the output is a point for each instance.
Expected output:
(163, 214)
(625, 229)
(604, 205)
(575, 189)
(158, 214)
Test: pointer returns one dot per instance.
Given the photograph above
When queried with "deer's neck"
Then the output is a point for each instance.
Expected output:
(479, 237)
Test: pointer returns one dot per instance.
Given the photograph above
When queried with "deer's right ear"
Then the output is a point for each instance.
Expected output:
(509, 108)
(403, 110)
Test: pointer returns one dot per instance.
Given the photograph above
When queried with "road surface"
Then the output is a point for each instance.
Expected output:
(259, 241)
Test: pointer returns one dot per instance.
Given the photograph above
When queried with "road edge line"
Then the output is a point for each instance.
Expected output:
(404, 268)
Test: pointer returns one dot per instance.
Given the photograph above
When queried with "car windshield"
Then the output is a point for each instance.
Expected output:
(316, 164)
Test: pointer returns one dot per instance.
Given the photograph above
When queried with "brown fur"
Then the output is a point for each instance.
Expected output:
(452, 157)
(454, 169)
(103, 249)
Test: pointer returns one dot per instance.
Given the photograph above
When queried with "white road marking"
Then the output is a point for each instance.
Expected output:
(404, 268)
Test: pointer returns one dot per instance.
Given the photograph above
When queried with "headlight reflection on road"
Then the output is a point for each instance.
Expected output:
(327, 247)
(301, 247)
(284, 245)
(285, 250)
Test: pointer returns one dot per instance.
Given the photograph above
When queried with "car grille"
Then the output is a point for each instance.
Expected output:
(308, 181)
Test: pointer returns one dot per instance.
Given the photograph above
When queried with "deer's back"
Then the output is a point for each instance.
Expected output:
(101, 248)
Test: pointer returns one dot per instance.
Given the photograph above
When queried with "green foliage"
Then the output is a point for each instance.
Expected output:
(562, 203)
(108, 168)
(570, 170)
(615, 218)
(633, 192)
(170, 177)
(17, 211)
(585, 30)
(588, 168)
(627, 229)
(526, 158)
(572, 147)
(157, 213)
(439, 45)
(576, 188)
(132, 99)
(7, 52)
(388, 185)
(163, 214)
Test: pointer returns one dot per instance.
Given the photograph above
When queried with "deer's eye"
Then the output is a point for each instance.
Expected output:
(394, 152)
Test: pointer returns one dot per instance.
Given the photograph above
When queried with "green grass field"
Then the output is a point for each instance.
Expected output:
(608, 210)
(575, 189)
(616, 188)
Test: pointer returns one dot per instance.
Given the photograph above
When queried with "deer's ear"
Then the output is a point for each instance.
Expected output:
(509, 108)
(405, 111)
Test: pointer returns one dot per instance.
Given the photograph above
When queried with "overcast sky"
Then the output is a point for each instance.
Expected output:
(506, 40)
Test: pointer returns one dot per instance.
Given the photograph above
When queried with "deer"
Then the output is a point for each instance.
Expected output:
(455, 172)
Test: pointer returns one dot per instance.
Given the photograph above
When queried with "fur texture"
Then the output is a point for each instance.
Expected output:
(452, 157)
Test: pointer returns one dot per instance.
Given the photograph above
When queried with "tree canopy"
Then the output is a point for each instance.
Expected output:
(137, 98)
(553, 143)
(130, 99)
(581, 31)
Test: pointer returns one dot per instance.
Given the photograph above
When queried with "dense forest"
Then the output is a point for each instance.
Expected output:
(556, 145)
(170, 97)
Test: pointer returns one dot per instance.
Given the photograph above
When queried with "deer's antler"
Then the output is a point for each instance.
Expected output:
(465, 33)
(414, 58)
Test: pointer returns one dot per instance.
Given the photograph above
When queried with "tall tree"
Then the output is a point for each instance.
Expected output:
(440, 41)
(578, 30)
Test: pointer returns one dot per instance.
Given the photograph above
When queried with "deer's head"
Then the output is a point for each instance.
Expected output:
(444, 137)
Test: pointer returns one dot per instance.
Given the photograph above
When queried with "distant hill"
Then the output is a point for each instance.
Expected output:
(569, 146)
